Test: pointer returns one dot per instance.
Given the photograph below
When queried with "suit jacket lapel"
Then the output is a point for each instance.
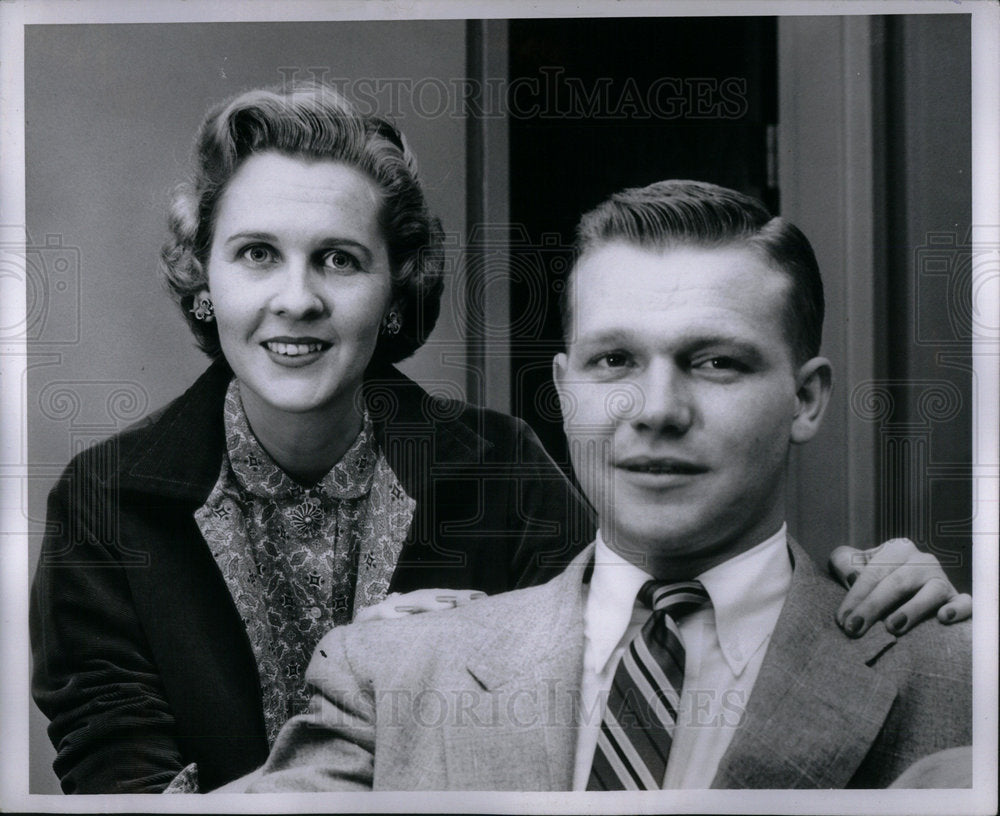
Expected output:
(816, 706)
(530, 675)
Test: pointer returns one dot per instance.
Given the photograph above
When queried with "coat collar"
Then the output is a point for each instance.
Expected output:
(817, 705)
(177, 452)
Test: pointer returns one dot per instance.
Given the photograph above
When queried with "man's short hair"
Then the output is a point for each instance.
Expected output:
(694, 213)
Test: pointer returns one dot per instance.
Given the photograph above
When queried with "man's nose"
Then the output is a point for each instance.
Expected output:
(665, 400)
(297, 293)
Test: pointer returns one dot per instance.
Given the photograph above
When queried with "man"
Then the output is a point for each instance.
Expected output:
(693, 326)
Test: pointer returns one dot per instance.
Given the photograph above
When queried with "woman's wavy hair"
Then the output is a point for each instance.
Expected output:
(315, 121)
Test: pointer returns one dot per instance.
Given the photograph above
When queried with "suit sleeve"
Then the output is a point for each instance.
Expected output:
(554, 518)
(332, 746)
(93, 676)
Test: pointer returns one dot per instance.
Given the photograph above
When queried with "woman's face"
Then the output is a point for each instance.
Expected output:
(299, 276)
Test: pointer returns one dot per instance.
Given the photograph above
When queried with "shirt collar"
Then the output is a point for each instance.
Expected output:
(614, 585)
(747, 594)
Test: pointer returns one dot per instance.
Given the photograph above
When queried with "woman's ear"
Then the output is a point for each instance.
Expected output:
(814, 381)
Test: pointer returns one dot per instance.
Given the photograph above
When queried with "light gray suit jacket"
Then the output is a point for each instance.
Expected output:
(485, 697)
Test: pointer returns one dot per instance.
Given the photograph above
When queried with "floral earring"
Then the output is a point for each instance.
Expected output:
(392, 323)
(203, 308)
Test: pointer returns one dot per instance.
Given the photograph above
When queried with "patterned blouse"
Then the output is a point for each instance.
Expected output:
(300, 560)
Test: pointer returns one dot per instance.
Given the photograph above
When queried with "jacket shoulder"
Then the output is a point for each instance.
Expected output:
(502, 432)
(382, 652)
(395, 400)
(933, 654)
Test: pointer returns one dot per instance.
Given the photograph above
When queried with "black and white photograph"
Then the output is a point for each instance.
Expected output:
(500, 408)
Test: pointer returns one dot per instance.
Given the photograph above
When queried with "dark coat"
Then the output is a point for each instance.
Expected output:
(141, 661)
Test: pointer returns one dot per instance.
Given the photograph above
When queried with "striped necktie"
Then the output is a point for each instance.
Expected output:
(638, 725)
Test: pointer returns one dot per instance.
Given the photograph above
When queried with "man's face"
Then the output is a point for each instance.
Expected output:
(680, 398)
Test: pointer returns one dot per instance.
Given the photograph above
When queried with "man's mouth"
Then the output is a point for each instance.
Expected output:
(645, 464)
(295, 347)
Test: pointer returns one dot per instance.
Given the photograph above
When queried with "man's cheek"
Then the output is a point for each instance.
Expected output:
(586, 418)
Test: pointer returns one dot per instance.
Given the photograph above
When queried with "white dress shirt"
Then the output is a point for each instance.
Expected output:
(724, 645)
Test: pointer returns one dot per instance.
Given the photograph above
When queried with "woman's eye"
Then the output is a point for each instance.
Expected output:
(340, 260)
(258, 254)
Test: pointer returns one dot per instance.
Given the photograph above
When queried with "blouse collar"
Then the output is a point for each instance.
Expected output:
(261, 476)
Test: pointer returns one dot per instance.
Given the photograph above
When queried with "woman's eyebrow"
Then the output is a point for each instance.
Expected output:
(334, 243)
(250, 236)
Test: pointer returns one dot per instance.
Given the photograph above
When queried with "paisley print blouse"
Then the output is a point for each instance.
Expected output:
(299, 560)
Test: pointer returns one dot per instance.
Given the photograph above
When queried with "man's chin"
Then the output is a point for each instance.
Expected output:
(666, 537)
(638, 546)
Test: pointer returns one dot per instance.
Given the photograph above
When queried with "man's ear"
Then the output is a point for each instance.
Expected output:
(814, 381)
(560, 371)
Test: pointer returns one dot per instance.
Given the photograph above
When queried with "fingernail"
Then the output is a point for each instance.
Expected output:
(852, 578)
(854, 624)
(897, 621)
(949, 614)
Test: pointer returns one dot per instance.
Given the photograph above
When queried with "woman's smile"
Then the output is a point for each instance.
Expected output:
(295, 351)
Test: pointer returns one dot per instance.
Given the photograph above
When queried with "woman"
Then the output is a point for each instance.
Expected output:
(194, 561)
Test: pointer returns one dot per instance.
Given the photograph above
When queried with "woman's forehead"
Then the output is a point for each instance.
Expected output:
(271, 190)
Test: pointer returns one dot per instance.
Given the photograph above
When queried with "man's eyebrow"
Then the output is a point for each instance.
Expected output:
(686, 345)
(607, 337)
(731, 345)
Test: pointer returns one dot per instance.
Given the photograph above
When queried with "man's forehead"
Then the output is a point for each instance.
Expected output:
(677, 293)
(616, 248)
(649, 275)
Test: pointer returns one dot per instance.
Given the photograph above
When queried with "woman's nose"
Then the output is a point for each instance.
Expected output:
(297, 294)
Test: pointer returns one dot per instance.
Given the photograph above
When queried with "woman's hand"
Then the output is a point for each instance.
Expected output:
(895, 574)
(398, 605)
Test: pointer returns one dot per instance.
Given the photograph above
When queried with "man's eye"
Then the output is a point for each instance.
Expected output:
(340, 260)
(719, 364)
(614, 359)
